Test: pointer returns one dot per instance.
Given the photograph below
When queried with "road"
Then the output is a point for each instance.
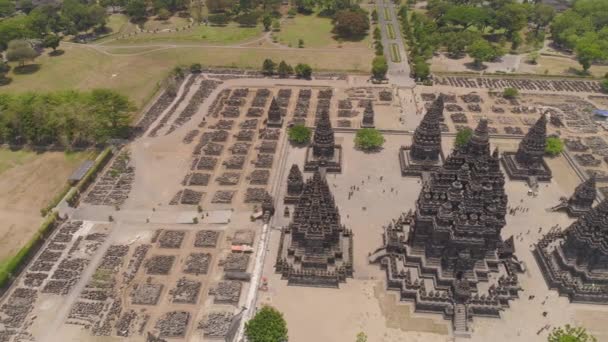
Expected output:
(398, 72)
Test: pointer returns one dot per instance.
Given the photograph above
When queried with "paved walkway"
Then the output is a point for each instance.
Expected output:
(398, 72)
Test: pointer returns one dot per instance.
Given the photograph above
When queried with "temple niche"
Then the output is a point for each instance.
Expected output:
(575, 261)
(527, 163)
(368, 116)
(439, 257)
(324, 153)
(424, 154)
(275, 117)
(295, 185)
(315, 248)
(581, 200)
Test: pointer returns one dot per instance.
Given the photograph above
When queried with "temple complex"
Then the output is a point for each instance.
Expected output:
(424, 154)
(581, 200)
(575, 261)
(528, 163)
(324, 153)
(368, 116)
(295, 184)
(275, 118)
(454, 239)
(315, 248)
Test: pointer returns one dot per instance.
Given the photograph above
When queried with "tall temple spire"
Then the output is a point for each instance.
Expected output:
(581, 200)
(323, 139)
(368, 116)
(275, 118)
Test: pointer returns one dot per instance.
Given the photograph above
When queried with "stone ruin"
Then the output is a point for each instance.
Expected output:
(173, 324)
(159, 264)
(240, 148)
(368, 116)
(223, 196)
(229, 178)
(255, 195)
(185, 291)
(424, 154)
(197, 263)
(206, 238)
(295, 184)
(146, 294)
(528, 163)
(575, 261)
(315, 248)
(454, 240)
(259, 177)
(235, 162)
(581, 200)
(216, 324)
(226, 292)
(324, 153)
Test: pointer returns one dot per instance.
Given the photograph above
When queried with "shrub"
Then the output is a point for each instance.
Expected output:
(604, 85)
(369, 139)
(292, 12)
(284, 69)
(248, 19)
(301, 43)
(303, 71)
(570, 334)
(510, 93)
(299, 134)
(554, 146)
(268, 325)
(268, 67)
(379, 67)
(196, 68)
(463, 136)
(219, 19)
(163, 14)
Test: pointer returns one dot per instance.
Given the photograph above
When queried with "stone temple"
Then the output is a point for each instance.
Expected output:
(575, 261)
(324, 153)
(527, 163)
(275, 117)
(295, 184)
(454, 240)
(424, 154)
(368, 116)
(315, 248)
(581, 200)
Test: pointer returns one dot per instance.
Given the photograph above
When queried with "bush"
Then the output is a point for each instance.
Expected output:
(604, 85)
(284, 69)
(299, 134)
(219, 19)
(379, 67)
(248, 19)
(510, 93)
(463, 136)
(268, 67)
(196, 68)
(570, 334)
(268, 325)
(163, 14)
(292, 12)
(422, 69)
(554, 146)
(369, 139)
(303, 71)
(379, 48)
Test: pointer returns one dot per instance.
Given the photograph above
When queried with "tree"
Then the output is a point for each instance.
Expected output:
(351, 24)
(379, 67)
(21, 51)
(482, 51)
(554, 146)
(422, 69)
(248, 19)
(7, 8)
(463, 136)
(196, 68)
(604, 85)
(299, 134)
(136, 10)
(268, 325)
(301, 43)
(510, 93)
(361, 337)
(542, 15)
(284, 69)
(303, 71)
(276, 25)
(377, 33)
(163, 14)
(467, 16)
(379, 48)
(111, 113)
(369, 139)
(512, 17)
(267, 21)
(268, 67)
(570, 334)
(292, 12)
(589, 48)
(51, 41)
(219, 19)
(374, 16)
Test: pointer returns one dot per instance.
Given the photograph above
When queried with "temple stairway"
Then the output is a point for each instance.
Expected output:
(460, 320)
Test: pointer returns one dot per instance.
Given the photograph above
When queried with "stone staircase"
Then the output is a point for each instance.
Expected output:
(459, 321)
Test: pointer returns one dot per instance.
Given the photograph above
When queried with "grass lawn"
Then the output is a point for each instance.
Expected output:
(116, 22)
(216, 35)
(566, 66)
(391, 31)
(395, 55)
(29, 182)
(387, 14)
(138, 76)
(316, 33)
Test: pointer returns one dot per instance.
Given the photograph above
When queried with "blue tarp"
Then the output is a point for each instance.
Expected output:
(601, 112)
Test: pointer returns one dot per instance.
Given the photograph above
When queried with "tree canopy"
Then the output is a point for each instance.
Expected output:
(463, 136)
(379, 67)
(351, 23)
(570, 334)
(369, 139)
(554, 146)
(299, 134)
(268, 325)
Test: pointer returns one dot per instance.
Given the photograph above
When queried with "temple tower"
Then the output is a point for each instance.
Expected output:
(324, 152)
(295, 184)
(368, 116)
(275, 117)
(581, 200)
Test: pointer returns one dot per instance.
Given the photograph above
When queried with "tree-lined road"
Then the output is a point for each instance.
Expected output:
(398, 71)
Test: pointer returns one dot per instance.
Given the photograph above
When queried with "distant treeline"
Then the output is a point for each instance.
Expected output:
(65, 118)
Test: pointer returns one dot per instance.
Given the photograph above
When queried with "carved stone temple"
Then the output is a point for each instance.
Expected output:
(575, 261)
(275, 117)
(581, 200)
(295, 185)
(424, 154)
(324, 153)
(454, 240)
(315, 248)
(528, 163)
(368, 116)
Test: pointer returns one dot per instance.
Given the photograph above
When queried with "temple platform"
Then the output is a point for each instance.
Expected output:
(414, 168)
(275, 123)
(333, 165)
(517, 171)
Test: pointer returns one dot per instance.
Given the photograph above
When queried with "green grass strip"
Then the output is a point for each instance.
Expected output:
(391, 31)
(387, 14)
(395, 55)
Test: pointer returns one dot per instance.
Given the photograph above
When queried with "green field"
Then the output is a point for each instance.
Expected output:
(316, 33)
(395, 55)
(137, 76)
(216, 35)
(391, 31)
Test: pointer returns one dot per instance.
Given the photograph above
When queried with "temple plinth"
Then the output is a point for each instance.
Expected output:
(315, 248)
(528, 162)
(581, 200)
(295, 184)
(424, 154)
